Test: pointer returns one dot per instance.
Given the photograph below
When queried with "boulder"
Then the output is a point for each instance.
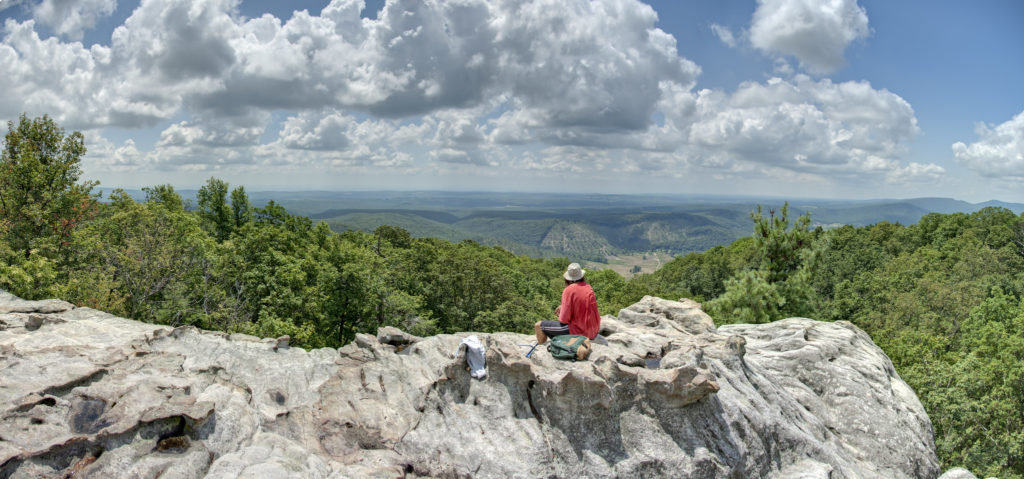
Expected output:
(669, 395)
(960, 473)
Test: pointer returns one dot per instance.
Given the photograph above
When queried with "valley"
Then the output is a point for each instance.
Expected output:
(621, 232)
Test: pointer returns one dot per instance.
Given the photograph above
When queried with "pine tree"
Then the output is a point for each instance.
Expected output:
(782, 283)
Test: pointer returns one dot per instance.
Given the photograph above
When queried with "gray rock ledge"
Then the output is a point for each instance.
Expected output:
(670, 395)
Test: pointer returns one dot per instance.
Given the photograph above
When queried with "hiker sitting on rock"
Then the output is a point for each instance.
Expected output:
(578, 312)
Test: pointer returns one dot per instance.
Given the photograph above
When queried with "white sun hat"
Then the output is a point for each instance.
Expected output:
(574, 272)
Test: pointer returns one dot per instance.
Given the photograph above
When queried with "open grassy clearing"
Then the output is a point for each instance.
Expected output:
(626, 265)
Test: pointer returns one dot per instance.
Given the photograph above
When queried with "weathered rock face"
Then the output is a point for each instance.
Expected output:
(668, 396)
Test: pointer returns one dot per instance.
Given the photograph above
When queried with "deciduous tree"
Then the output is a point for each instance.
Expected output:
(214, 210)
(41, 198)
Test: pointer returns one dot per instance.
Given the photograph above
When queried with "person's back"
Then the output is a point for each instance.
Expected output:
(579, 309)
(578, 312)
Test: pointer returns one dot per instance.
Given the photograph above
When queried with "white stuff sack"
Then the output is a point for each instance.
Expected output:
(474, 356)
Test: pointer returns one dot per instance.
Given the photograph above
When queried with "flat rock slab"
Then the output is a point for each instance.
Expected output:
(670, 395)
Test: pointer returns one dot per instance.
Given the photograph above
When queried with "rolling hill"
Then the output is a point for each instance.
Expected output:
(594, 228)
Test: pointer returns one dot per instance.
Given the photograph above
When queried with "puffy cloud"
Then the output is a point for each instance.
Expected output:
(916, 173)
(583, 66)
(724, 34)
(559, 160)
(589, 67)
(166, 52)
(454, 130)
(333, 141)
(675, 108)
(459, 138)
(214, 133)
(815, 127)
(333, 130)
(201, 157)
(143, 77)
(999, 152)
(782, 68)
(462, 157)
(11, 4)
(71, 18)
(816, 32)
(574, 86)
(103, 155)
(307, 132)
(64, 80)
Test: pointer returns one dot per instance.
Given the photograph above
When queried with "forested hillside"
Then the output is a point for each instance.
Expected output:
(592, 228)
(585, 234)
(942, 297)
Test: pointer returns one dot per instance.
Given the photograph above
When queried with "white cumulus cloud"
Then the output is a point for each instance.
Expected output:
(578, 65)
(916, 173)
(549, 86)
(816, 32)
(71, 18)
(102, 154)
(802, 125)
(332, 140)
(315, 132)
(999, 151)
(213, 133)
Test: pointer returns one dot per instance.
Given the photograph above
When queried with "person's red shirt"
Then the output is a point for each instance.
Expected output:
(579, 310)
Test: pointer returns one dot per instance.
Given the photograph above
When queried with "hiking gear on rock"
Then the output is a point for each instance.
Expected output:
(532, 349)
(569, 346)
(531, 346)
(474, 356)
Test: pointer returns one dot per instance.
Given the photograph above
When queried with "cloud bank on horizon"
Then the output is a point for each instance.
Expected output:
(473, 94)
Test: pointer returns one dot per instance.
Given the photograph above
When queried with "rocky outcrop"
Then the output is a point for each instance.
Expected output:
(669, 395)
(960, 473)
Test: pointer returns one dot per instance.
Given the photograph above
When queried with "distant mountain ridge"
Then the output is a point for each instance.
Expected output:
(1017, 208)
(588, 226)
(433, 215)
(588, 234)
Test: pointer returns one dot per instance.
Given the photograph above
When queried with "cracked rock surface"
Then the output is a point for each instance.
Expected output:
(87, 394)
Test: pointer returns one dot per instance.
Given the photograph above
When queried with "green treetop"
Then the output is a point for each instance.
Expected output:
(41, 200)
(214, 210)
(782, 284)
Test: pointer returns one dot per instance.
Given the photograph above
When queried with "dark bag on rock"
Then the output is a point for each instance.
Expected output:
(569, 346)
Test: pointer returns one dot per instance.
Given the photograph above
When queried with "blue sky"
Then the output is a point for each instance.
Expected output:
(801, 98)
